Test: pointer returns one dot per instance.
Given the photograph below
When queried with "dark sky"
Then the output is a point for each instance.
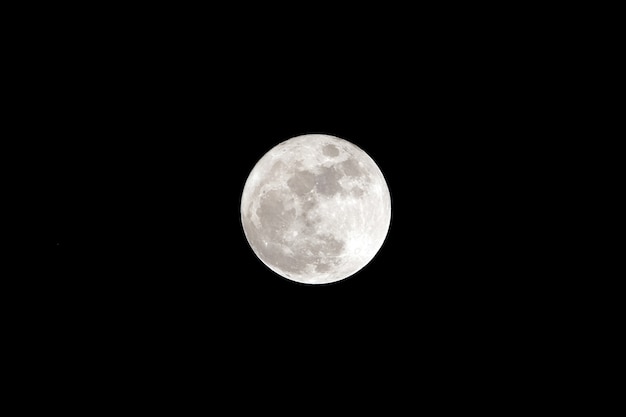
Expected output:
(147, 171)
(148, 137)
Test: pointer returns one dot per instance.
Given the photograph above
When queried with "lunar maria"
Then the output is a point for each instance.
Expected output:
(315, 209)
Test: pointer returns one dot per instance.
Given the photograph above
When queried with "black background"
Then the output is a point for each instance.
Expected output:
(146, 129)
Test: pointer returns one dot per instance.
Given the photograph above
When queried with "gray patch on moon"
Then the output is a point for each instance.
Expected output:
(276, 169)
(330, 150)
(301, 182)
(327, 182)
(273, 214)
(352, 169)
(308, 205)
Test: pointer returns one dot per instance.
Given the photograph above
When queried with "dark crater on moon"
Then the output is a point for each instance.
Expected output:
(273, 214)
(352, 169)
(327, 182)
(301, 182)
(330, 150)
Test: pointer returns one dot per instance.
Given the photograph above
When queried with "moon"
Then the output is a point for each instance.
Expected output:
(315, 209)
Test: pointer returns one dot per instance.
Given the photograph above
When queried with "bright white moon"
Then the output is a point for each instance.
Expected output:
(315, 209)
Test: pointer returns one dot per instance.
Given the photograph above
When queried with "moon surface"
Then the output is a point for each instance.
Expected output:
(315, 209)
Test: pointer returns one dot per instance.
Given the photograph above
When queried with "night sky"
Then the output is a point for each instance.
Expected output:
(149, 138)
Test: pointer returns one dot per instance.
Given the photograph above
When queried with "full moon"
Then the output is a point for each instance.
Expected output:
(315, 209)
